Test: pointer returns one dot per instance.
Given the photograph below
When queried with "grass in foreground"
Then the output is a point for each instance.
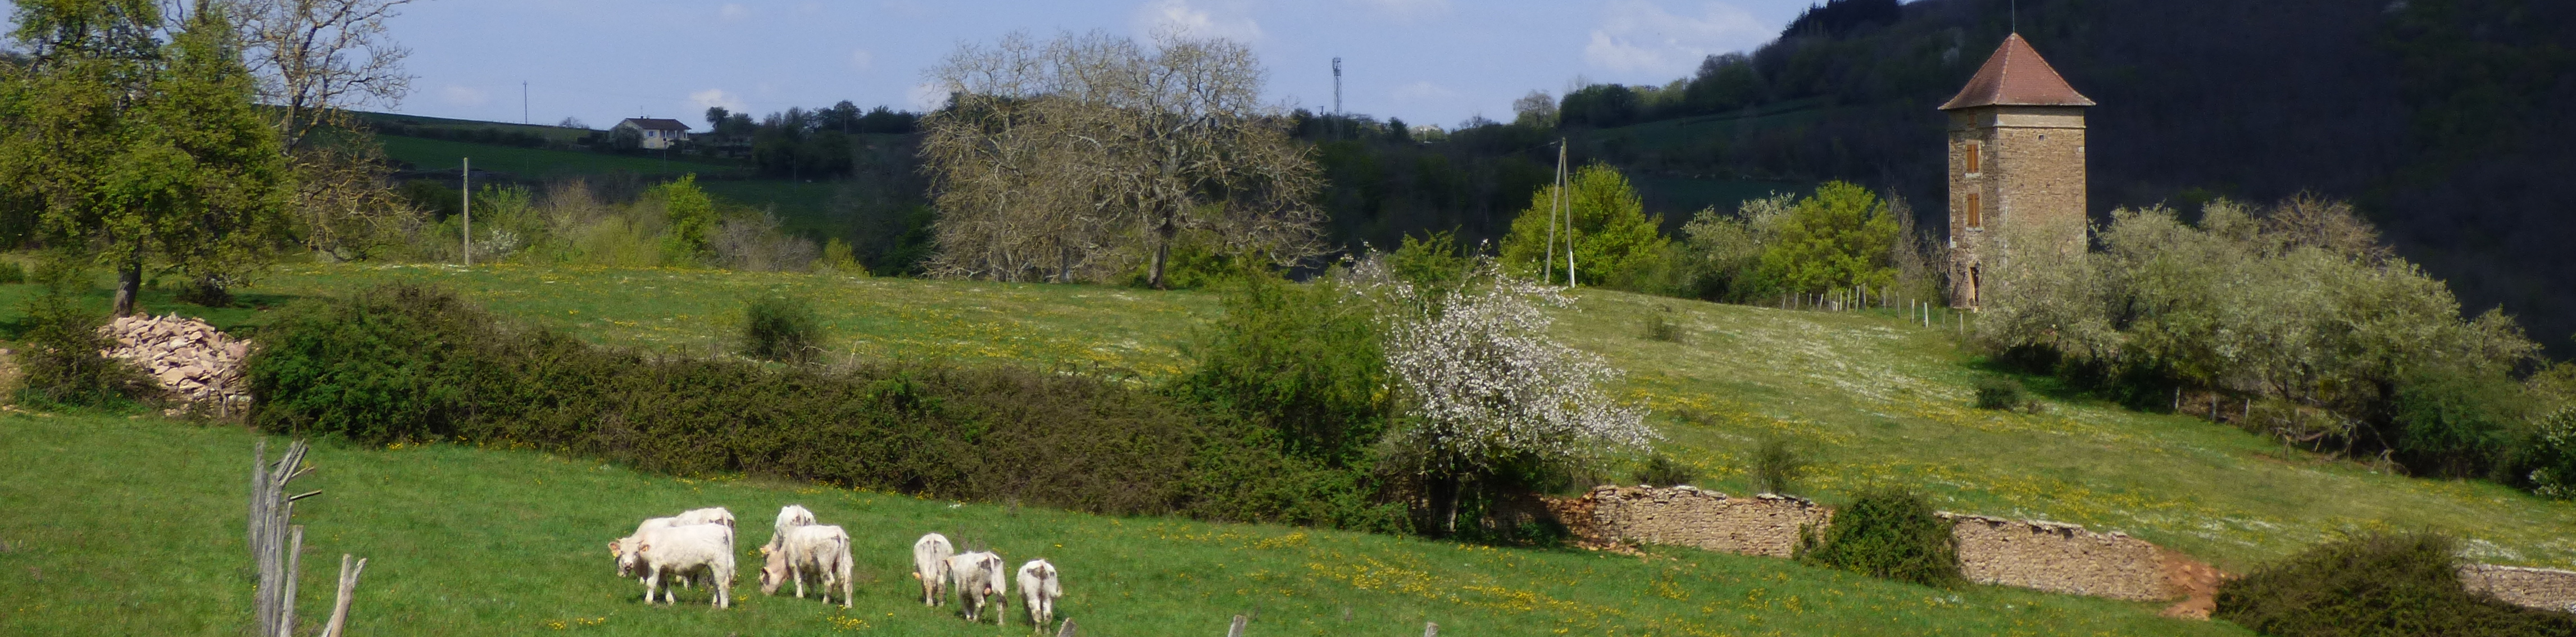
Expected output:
(130, 526)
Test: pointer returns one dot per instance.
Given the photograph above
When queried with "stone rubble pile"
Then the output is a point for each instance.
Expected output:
(198, 366)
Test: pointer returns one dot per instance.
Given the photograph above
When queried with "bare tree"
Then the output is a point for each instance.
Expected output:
(317, 58)
(1086, 155)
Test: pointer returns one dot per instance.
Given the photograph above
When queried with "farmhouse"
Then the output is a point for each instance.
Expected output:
(657, 133)
(2016, 166)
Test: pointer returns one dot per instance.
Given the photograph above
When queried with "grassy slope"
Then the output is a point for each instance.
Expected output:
(124, 526)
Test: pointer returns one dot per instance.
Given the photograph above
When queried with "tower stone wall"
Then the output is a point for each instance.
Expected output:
(2028, 185)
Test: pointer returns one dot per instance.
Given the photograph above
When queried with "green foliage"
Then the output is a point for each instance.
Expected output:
(1437, 263)
(1661, 469)
(2551, 463)
(1890, 533)
(691, 216)
(414, 363)
(2002, 392)
(1721, 254)
(1660, 327)
(1301, 360)
(781, 328)
(1839, 238)
(12, 272)
(60, 344)
(1777, 466)
(2376, 584)
(1615, 243)
(2455, 423)
(153, 149)
(837, 258)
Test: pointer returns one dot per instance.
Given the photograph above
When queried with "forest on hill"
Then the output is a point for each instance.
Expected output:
(2441, 119)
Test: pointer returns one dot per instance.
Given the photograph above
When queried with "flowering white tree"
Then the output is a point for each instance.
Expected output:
(1485, 387)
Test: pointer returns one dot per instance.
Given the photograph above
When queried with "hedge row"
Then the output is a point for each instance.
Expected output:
(407, 362)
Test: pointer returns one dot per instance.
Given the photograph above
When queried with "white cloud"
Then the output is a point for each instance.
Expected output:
(1637, 36)
(464, 95)
(1421, 92)
(1406, 10)
(926, 96)
(1219, 19)
(732, 11)
(861, 59)
(715, 97)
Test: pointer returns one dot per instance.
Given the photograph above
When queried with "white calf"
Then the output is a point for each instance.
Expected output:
(696, 549)
(978, 579)
(788, 516)
(1040, 588)
(811, 549)
(930, 565)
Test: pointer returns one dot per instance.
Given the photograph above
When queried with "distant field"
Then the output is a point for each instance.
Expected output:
(121, 526)
(539, 164)
(553, 133)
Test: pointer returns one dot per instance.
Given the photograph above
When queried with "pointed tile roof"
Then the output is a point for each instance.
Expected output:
(2015, 76)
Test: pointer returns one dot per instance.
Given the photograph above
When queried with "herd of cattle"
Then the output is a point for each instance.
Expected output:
(697, 545)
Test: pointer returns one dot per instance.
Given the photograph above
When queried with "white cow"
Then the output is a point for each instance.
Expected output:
(677, 551)
(930, 565)
(979, 581)
(710, 515)
(1040, 588)
(788, 516)
(809, 550)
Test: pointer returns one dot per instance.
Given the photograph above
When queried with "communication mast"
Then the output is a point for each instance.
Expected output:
(1337, 87)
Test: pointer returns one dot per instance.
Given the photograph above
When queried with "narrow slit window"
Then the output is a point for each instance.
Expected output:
(1973, 165)
(1976, 215)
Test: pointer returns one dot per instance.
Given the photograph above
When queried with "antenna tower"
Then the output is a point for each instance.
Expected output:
(1337, 86)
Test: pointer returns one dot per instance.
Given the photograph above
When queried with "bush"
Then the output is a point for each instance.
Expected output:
(781, 329)
(404, 362)
(1889, 533)
(1660, 326)
(2550, 467)
(12, 272)
(1777, 467)
(2376, 584)
(1299, 360)
(1661, 469)
(59, 347)
(1996, 392)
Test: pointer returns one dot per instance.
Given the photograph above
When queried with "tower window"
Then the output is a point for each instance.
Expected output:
(1976, 214)
(1971, 159)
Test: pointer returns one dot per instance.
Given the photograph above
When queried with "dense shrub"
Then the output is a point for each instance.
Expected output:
(781, 329)
(1777, 465)
(1661, 469)
(1660, 326)
(1890, 533)
(1301, 360)
(2376, 584)
(12, 272)
(404, 362)
(60, 344)
(1995, 392)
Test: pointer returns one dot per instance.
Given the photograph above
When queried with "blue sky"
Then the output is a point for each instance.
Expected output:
(1427, 61)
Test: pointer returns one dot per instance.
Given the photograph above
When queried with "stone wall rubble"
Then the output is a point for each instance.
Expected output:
(2542, 588)
(2062, 558)
(198, 366)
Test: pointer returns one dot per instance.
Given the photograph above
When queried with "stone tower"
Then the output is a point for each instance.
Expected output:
(2016, 165)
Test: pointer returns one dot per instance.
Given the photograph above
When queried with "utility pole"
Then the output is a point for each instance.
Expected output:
(523, 101)
(1567, 204)
(1547, 267)
(465, 181)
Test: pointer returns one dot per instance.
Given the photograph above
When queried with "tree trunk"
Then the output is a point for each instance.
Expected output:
(129, 282)
(1162, 251)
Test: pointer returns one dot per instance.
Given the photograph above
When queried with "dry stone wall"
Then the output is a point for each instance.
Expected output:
(2061, 558)
(2548, 589)
(1684, 516)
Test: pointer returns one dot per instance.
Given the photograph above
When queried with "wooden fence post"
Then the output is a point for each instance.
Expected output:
(1235, 630)
(1430, 629)
(1066, 632)
(349, 588)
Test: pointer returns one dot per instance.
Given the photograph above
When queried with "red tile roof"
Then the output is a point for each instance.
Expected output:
(2015, 76)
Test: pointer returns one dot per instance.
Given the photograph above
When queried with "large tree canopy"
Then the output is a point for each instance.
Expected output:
(137, 136)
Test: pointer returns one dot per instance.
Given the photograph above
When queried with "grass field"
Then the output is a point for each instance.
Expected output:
(1871, 398)
(132, 526)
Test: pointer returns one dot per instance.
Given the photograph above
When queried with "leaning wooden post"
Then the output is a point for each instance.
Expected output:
(1236, 630)
(1066, 632)
(349, 588)
(1430, 629)
(294, 566)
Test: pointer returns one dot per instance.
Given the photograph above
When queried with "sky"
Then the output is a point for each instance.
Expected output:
(1426, 61)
